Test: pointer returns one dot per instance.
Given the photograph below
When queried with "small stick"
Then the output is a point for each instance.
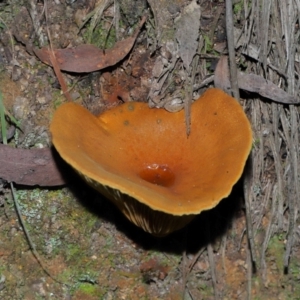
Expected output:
(249, 227)
(249, 273)
(58, 74)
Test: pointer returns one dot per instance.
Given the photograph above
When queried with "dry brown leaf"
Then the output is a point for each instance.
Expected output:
(89, 58)
(251, 83)
(265, 88)
(222, 77)
(31, 167)
(187, 32)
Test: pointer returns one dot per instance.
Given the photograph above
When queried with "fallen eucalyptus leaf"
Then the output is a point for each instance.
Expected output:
(32, 166)
(89, 58)
(187, 32)
(222, 77)
(251, 83)
(265, 88)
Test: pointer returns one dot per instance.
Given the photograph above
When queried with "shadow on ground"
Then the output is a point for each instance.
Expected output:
(204, 229)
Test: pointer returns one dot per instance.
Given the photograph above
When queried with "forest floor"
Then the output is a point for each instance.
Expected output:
(87, 248)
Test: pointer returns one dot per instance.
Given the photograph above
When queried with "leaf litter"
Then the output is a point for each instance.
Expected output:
(272, 189)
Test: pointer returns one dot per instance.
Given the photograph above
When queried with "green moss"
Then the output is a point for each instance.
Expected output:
(66, 276)
(208, 45)
(73, 252)
(276, 250)
(58, 99)
(88, 288)
(294, 274)
(101, 37)
(206, 291)
(237, 7)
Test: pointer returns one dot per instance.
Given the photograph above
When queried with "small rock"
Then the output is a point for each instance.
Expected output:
(20, 108)
(16, 74)
(23, 84)
(174, 105)
(38, 287)
(2, 282)
(41, 99)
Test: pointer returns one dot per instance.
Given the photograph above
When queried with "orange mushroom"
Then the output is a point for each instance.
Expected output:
(143, 161)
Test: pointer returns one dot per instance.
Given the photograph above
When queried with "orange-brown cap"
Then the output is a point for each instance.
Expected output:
(142, 159)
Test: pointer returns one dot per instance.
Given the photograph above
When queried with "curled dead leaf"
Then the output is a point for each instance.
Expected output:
(251, 83)
(187, 32)
(88, 58)
(31, 166)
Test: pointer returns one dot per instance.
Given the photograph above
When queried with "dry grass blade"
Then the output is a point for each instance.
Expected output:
(249, 274)
(293, 190)
(275, 145)
(231, 50)
(96, 15)
(249, 224)
(269, 232)
(264, 31)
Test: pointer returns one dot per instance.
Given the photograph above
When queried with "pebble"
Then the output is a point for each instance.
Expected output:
(20, 107)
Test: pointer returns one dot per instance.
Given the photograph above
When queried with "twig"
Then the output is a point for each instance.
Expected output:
(250, 236)
(189, 94)
(204, 83)
(195, 259)
(223, 251)
(293, 189)
(269, 232)
(249, 273)
(58, 74)
(275, 144)
(231, 50)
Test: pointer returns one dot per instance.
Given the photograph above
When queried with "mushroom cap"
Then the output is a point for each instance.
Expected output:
(144, 152)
